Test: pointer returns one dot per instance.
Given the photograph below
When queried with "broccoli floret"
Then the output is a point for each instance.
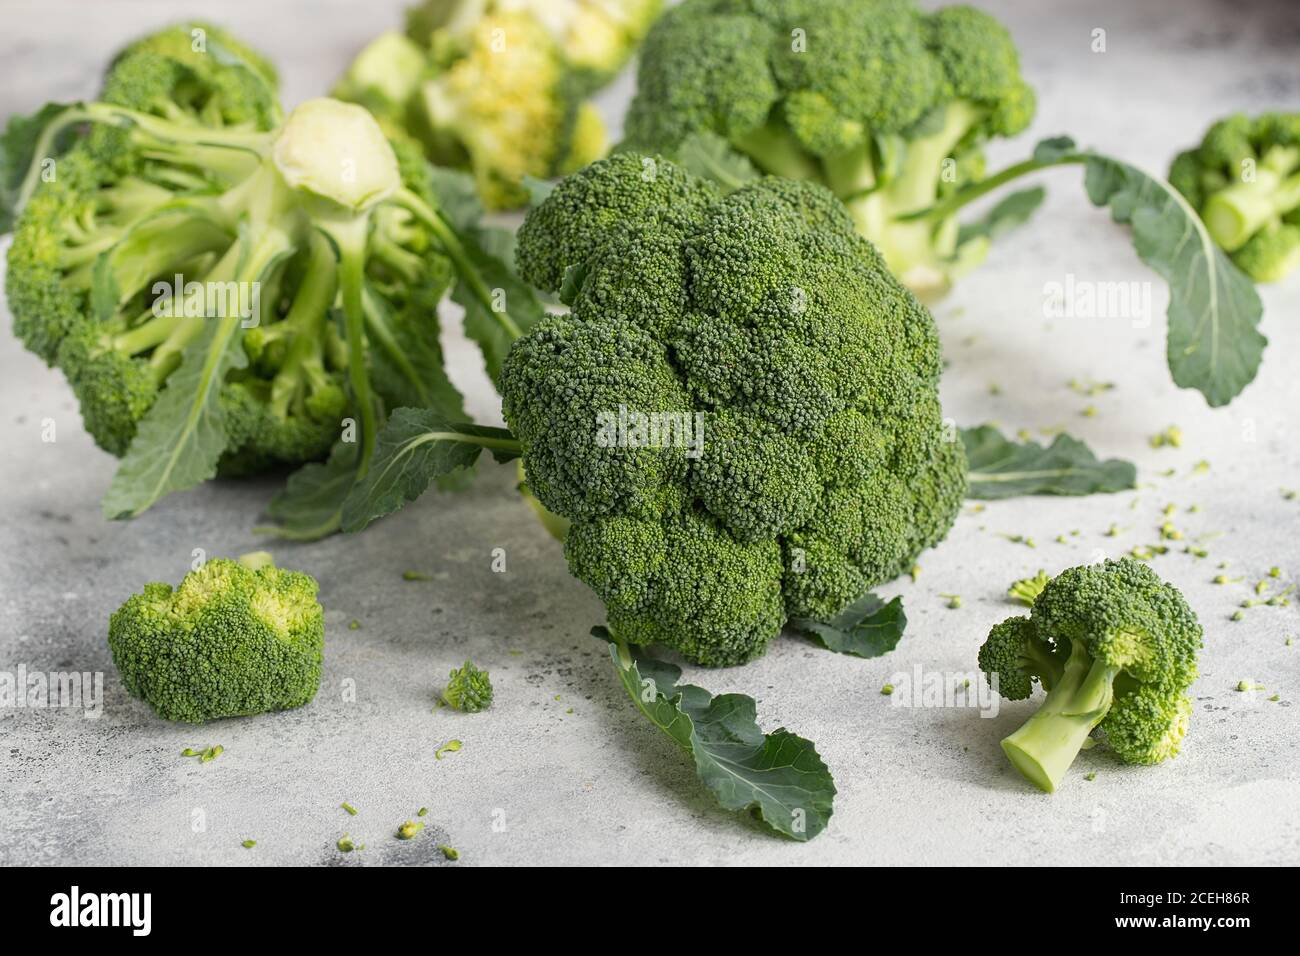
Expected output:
(229, 641)
(499, 88)
(468, 689)
(1244, 180)
(799, 458)
(189, 230)
(1115, 648)
(884, 104)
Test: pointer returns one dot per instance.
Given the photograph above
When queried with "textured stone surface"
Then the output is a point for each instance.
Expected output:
(582, 778)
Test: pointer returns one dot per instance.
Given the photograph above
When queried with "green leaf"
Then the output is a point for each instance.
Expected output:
(1011, 212)
(866, 628)
(574, 276)
(414, 448)
(457, 197)
(778, 775)
(1214, 345)
(311, 505)
(538, 190)
(711, 157)
(408, 361)
(1000, 468)
(508, 292)
(181, 438)
(18, 148)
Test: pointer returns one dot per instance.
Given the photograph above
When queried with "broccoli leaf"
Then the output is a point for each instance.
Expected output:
(311, 505)
(780, 775)
(457, 197)
(866, 628)
(538, 190)
(1000, 468)
(711, 157)
(181, 438)
(1010, 212)
(415, 447)
(18, 148)
(1213, 343)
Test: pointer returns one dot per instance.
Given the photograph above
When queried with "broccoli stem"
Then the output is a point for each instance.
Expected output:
(946, 208)
(349, 238)
(306, 316)
(148, 335)
(1045, 747)
(456, 252)
(775, 150)
(1236, 213)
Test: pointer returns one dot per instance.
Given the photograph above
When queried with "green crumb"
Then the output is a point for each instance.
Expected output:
(1246, 685)
(422, 812)
(450, 852)
(1114, 531)
(409, 830)
(1061, 539)
(1026, 589)
(1171, 437)
(915, 572)
(1237, 616)
(1275, 698)
(954, 600)
(1167, 473)
(450, 747)
(354, 625)
(1274, 572)
(415, 576)
(468, 689)
(1090, 776)
(1201, 467)
(1196, 551)
(352, 811)
(205, 755)
(248, 844)
(1170, 510)
(1224, 579)
(346, 845)
(887, 689)
(1261, 587)
(1089, 411)
(995, 388)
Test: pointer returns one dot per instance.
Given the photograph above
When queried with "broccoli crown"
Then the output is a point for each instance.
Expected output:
(499, 88)
(1115, 647)
(884, 104)
(739, 416)
(1244, 180)
(118, 261)
(468, 689)
(227, 642)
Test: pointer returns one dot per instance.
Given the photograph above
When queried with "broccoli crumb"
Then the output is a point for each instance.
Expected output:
(450, 746)
(1237, 616)
(354, 625)
(1171, 437)
(468, 689)
(915, 572)
(1275, 698)
(887, 689)
(422, 812)
(205, 755)
(449, 852)
(248, 844)
(409, 830)
(352, 811)
(1089, 411)
(1090, 776)
(346, 844)
(1201, 467)
(416, 576)
(1224, 579)
(1274, 572)
(1114, 531)
(953, 602)
(1026, 589)
(1246, 685)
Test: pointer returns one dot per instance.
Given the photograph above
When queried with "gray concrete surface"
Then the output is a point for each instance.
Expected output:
(562, 769)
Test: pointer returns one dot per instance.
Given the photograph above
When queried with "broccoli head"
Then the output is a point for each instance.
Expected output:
(739, 416)
(1244, 180)
(468, 689)
(500, 88)
(885, 105)
(1115, 648)
(194, 246)
(233, 639)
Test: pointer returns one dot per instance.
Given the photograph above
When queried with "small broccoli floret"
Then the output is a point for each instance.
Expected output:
(883, 104)
(468, 689)
(1115, 648)
(227, 642)
(1244, 180)
(738, 418)
(499, 88)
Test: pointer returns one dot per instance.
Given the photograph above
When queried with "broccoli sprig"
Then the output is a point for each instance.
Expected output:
(499, 88)
(468, 689)
(1244, 178)
(1115, 648)
(226, 291)
(886, 106)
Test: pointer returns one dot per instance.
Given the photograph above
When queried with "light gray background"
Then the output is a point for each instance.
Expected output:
(562, 758)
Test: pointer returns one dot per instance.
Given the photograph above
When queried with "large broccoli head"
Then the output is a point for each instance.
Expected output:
(1244, 180)
(1115, 647)
(137, 202)
(739, 417)
(228, 642)
(884, 104)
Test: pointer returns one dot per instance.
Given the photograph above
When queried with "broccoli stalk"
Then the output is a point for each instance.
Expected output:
(1237, 212)
(1115, 648)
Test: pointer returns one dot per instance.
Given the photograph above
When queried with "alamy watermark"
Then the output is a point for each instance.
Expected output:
(47, 690)
(631, 429)
(216, 300)
(1087, 299)
(934, 689)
